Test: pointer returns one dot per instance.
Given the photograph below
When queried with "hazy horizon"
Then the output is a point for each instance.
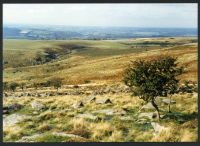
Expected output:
(102, 15)
(53, 25)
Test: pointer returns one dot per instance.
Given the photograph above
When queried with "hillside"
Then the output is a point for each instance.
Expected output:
(93, 104)
(90, 60)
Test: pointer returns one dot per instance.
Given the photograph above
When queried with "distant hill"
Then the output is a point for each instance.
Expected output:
(36, 32)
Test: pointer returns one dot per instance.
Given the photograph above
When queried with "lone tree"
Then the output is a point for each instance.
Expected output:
(13, 86)
(153, 78)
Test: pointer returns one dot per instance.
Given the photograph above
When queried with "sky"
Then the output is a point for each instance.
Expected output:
(127, 15)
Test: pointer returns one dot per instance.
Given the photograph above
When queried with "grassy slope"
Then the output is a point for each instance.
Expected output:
(97, 60)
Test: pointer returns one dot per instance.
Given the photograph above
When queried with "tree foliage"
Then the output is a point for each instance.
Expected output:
(153, 78)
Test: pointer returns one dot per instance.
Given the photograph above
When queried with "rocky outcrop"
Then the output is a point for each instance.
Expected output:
(37, 106)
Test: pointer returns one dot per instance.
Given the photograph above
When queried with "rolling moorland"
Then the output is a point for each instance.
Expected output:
(93, 104)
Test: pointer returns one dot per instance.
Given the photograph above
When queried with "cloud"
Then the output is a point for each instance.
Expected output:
(135, 15)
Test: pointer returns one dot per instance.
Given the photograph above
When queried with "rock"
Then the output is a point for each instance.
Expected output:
(88, 116)
(103, 101)
(5, 94)
(110, 112)
(78, 105)
(35, 113)
(107, 90)
(120, 112)
(11, 120)
(43, 95)
(126, 118)
(51, 94)
(67, 135)
(75, 86)
(28, 94)
(105, 111)
(65, 93)
(147, 115)
(148, 106)
(38, 95)
(157, 128)
(167, 101)
(142, 121)
(15, 106)
(12, 107)
(29, 138)
(33, 94)
(89, 99)
(6, 112)
(37, 106)
(126, 89)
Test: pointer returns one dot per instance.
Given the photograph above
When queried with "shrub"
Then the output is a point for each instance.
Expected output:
(87, 81)
(5, 86)
(151, 78)
(13, 86)
(188, 87)
(56, 82)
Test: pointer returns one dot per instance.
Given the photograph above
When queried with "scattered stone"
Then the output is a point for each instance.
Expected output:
(5, 94)
(29, 138)
(66, 135)
(103, 101)
(35, 113)
(105, 111)
(6, 112)
(78, 105)
(11, 120)
(60, 93)
(142, 121)
(157, 128)
(37, 106)
(15, 106)
(75, 86)
(38, 95)
(88, 116)
(111, 112)
(89, 99)
(51, 94)
(27, 94)
(120, 112)
(43, 95)
(148, 106)
(147, 115)
(167, 101)
(12, 107)
(126, 118)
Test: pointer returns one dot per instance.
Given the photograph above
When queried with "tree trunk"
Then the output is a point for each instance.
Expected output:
(157, 109)
(169, 104)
